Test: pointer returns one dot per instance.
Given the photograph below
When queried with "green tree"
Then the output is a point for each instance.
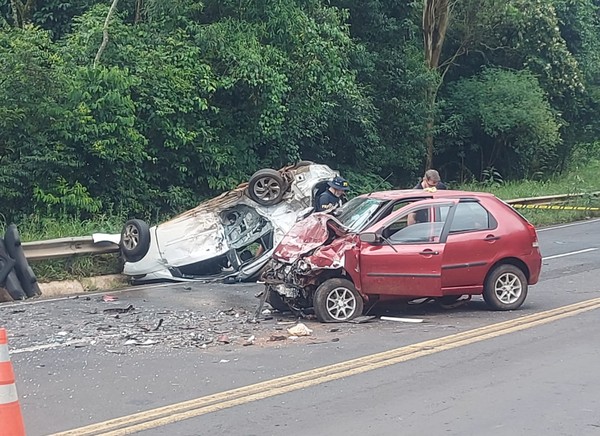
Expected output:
(504, 122)
(31, 106)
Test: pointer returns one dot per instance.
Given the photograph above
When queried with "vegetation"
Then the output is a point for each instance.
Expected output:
(580, 180)
(114, 109)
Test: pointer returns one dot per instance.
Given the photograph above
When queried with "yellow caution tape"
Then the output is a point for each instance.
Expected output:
(553, 207)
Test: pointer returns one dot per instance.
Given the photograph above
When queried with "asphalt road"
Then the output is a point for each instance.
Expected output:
(531, 371)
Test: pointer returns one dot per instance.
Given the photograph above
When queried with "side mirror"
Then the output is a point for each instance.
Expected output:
(369, 237)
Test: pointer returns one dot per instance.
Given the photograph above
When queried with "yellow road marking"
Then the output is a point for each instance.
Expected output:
(222, 400)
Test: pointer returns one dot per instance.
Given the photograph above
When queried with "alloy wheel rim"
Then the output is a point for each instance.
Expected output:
(508, 288)
(341, 303)
(267, 188)
(131, 237)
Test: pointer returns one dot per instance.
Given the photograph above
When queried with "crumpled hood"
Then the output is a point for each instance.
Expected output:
(306, 235)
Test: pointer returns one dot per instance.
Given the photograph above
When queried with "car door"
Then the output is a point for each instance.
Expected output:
(471, 247)
(405, 257)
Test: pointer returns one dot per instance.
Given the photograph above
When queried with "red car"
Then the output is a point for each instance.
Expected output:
(408, 244)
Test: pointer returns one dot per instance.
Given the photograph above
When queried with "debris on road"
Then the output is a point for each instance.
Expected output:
(362, 319)
(119, 309)
(129, 324)
(299, 330)
(223, 339)
(392, 318)
(107, 298)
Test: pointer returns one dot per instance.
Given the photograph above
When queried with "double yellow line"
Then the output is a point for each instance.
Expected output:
(212, 403)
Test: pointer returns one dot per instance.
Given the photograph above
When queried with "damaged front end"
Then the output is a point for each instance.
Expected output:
(315, 250)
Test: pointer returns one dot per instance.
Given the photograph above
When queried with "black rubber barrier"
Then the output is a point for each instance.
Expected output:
(15, 273)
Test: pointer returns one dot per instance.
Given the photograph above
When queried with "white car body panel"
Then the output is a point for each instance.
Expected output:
(202, 233)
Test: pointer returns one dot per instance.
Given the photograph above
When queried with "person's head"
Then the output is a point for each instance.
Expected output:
(431, 179)
(338, 186)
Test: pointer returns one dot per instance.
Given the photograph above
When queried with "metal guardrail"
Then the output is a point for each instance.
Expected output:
(63, 247)
(550, 198)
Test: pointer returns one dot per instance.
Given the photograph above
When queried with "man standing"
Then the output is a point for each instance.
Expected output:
(431, 179)
(332, 197)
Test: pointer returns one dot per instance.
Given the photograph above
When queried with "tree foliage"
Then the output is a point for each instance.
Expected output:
(506, 119)
(189, 98)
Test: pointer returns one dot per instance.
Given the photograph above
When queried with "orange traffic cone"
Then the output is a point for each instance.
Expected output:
(11, 420)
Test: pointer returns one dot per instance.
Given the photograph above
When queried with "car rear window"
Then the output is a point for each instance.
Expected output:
(514, 211)
(471, 216)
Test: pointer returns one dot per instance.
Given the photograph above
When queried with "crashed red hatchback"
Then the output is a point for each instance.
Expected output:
(406, 244)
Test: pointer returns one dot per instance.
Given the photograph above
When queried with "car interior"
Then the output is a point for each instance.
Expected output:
(248, 235)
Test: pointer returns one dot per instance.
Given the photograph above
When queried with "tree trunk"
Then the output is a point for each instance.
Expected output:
(139, 4)
(429, 126)
(21, 11)
(435, 24)
(111, 11)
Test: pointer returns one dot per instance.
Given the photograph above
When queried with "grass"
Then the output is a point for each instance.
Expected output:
(582, 179)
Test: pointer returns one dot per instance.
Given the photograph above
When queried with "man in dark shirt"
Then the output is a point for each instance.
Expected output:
(431, 179)
(332, 197)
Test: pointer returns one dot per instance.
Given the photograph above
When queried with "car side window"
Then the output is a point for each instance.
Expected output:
(471, 216)
(417, 226)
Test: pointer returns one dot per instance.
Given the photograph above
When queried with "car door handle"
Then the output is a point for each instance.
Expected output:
(429, 253)
(491, 238)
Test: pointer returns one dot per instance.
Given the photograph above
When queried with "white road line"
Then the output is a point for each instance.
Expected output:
(86, 341)
(556, 256)
(49, 346)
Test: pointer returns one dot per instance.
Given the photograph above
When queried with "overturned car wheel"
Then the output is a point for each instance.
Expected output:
(135, 240)
(266, 187)
(337, 300)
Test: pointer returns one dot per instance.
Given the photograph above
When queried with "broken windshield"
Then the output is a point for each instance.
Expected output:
(357, 213)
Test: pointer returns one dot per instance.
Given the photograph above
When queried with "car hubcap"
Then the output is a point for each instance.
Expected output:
(267, 188)
(341, 304)
(131, 237)
(508, 288)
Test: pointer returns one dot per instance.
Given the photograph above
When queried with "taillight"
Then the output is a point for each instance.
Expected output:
(533, 235)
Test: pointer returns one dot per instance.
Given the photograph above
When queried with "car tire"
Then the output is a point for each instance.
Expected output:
(337, 300)
(505, 288)
(266, 187)
(135, 240)
(27, 278)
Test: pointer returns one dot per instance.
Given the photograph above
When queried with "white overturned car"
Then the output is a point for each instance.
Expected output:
(229, 237)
